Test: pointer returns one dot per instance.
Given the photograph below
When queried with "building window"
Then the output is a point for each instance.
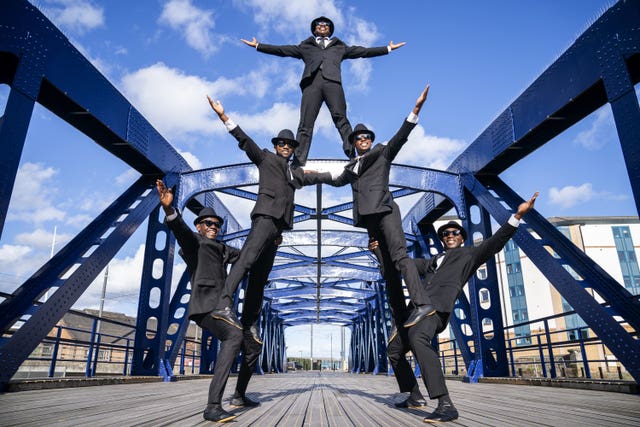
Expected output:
(46, 350)
(627, 258)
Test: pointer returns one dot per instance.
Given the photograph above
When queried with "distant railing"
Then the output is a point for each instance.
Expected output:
(546, 353)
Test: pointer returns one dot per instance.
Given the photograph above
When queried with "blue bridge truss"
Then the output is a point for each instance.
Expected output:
(341, 283)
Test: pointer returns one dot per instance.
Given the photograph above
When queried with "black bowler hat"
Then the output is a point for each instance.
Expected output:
(207, 213)
(322, 19)
(452, 224)
(285, 135)
(360, 128)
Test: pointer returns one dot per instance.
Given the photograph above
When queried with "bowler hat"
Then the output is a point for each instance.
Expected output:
(360, 128)
(322, 19)
(452, 224)
(285, 135)
(207, 213)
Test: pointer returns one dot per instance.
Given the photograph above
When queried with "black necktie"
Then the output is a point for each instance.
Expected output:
(434, 261)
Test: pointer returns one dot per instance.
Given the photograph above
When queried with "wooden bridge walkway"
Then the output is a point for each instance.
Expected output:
(315, 399)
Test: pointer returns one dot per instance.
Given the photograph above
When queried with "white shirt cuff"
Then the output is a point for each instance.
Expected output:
(413, 118)
(388, 49)
(173, 216)
(230, 125)
(513, 221)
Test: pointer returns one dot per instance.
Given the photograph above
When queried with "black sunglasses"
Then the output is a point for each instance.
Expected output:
(282, 143)
(363, 136)
(210, 223)
(319, 23)
(446, 233)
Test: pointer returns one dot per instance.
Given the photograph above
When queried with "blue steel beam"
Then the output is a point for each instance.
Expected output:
(619, 341)
(123, 216)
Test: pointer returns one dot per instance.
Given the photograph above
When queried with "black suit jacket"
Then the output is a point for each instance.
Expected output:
(446, 283)
(206, 261)
(277, 182)
(330, 57)
(370, 185)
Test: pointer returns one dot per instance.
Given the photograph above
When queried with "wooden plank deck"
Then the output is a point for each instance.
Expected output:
(315, 399)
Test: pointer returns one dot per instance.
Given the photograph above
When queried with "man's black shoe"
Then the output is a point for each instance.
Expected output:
(443, 413)
(238, 400)
(253, 330)
(226, 315)
(217, 414)
(419, 313)
(410, 403)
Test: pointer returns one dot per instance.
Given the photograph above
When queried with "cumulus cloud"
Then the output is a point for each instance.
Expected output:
(600, 133)
(78, 16)
(181, 107)
(571, 195)
(429, 151)
(287, 17)
(43, 239)
(191, 158)
(194, 24)
(33, 195)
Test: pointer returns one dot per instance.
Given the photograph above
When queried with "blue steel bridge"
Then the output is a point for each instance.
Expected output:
(339, 284)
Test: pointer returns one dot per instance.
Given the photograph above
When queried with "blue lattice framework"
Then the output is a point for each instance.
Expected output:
(603, 65)
(340, 284)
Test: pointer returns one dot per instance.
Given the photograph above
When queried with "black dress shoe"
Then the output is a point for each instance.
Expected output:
(238, 400)
(443, 413)
(226, 315)
(217, 414)
(410, 403)
(419, 313)
(253, 330)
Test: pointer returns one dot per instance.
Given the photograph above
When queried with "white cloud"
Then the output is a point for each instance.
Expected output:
(76, 15)
(291, 17)
(429, 151)
(33, 195)
(42, 239)
(193, 161)
(181, 108)
(194, 24)
(127, 177)
(570, 195)
(601, 132)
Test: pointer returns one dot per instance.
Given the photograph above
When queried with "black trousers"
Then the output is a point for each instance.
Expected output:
(258, 278)
(315, 91)
(264, 230)
(230, 339)
(387, 229)
(420, 336)
(398, 346)
(250, 353)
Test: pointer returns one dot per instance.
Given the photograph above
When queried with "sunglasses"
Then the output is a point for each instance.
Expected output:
(210, 223)
(319, 23)
(282, 143)
(363, 136)
(447, 233)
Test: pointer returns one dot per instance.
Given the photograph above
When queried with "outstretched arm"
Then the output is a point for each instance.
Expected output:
(420, 100)
(253, 42)
(166, 197)
(394, 46)
(526, 206)
(218, 108)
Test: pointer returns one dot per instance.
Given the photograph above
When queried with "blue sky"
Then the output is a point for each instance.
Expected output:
(166, 55)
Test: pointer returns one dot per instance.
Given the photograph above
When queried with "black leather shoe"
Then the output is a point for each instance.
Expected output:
(411, 403)
(226, 315)
(238, 400)
(443, 413)
(419, 313)
(217, 414)
(253, 330)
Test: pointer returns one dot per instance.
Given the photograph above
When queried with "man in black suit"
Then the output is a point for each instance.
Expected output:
(444, 276)
(206, 260)
(398, 344)
(272, 213)
(322, 78)
(374, 208)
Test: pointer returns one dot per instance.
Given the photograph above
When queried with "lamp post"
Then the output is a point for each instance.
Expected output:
(331, 349)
